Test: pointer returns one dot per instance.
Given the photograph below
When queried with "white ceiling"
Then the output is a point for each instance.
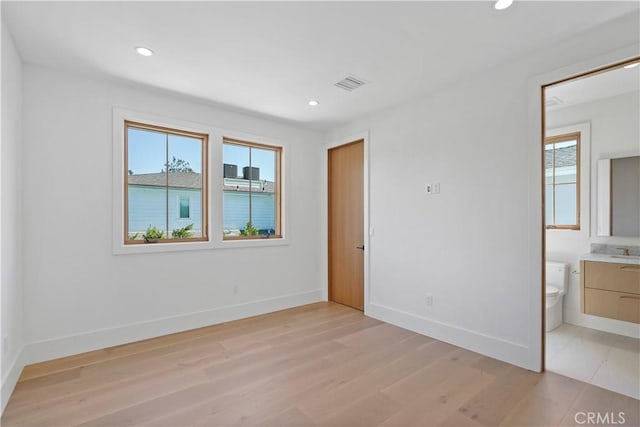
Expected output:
(271, 58)
(598, 86)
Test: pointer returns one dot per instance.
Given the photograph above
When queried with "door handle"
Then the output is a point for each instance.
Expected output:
(360, 247)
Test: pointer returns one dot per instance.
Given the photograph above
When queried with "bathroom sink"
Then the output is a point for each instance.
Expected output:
(624, 256)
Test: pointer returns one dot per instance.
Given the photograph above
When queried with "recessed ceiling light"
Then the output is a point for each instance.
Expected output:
(314, 103)
(503, 4)
(634, 65)
(144, 51)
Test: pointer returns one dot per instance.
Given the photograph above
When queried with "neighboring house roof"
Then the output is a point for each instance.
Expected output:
(176, 179)
(194, 180)
(564, 157)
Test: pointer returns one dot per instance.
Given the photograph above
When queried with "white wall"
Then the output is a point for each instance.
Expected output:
(475, 246)
(11, 215)
(615, 132)
(79, 295)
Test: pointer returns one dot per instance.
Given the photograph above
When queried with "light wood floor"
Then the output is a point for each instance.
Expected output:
(321, 364)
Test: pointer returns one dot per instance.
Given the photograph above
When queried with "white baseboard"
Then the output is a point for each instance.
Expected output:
(494, 347)
(95, 340)
(11, 378)
(618, 327)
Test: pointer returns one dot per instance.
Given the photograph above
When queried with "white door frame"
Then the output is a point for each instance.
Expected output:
(535, 273)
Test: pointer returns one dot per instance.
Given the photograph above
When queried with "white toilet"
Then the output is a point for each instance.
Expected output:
(556, 287)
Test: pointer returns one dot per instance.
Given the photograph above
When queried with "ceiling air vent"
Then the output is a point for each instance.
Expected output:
(552, 101)
(350, 83)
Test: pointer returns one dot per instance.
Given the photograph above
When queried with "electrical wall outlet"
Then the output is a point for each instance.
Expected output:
(432, 188)
(429, 300)
(235, 289)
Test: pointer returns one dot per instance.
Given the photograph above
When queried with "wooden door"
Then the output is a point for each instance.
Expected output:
(346, 224)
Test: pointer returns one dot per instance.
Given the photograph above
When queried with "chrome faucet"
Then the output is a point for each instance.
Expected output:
(625, 251)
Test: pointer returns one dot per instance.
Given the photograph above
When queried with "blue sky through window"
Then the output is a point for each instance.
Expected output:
(147, 151)
(260, 158)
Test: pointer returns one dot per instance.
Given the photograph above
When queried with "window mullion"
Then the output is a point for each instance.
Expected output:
(553, 185)
(166, 144)
(250, 190)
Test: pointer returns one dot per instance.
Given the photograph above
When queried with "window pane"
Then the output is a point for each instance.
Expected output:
(146, 151)
(147, 211)
(263, 198)
(265, 161)
(235, 202)
(146, 183)
(565, 159)
(566, 204)
(566, 175)
(185, 186)
(236, 212)
(548, 163)
(548, 204)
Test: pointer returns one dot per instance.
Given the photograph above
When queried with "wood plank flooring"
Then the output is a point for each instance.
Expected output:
(321, 364)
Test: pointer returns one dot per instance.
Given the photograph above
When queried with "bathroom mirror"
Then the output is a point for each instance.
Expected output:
(618, 197)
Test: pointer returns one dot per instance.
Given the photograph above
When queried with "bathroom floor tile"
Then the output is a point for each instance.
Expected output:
(600, 358)
(579, 359)
(559, 338)
(620, 372)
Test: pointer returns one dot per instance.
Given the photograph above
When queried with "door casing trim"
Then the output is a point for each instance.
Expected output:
(537, 242)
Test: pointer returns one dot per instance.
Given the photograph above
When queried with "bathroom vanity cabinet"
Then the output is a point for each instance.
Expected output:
(611, 290)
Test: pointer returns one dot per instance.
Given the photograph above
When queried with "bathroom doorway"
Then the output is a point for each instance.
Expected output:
(591, 227)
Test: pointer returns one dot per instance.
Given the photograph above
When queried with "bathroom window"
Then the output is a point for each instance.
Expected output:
(562, 181)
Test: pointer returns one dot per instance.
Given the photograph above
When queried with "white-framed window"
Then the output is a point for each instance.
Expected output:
(197, 199)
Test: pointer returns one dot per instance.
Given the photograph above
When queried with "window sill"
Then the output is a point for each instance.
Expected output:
(150, 248)
(556, 227)
(251, 243)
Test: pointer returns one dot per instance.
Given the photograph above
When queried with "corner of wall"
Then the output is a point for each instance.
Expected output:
(491, 346)
(10, 380)
(11, 289)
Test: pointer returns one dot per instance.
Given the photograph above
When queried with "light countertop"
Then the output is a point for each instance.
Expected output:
(618, 259)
